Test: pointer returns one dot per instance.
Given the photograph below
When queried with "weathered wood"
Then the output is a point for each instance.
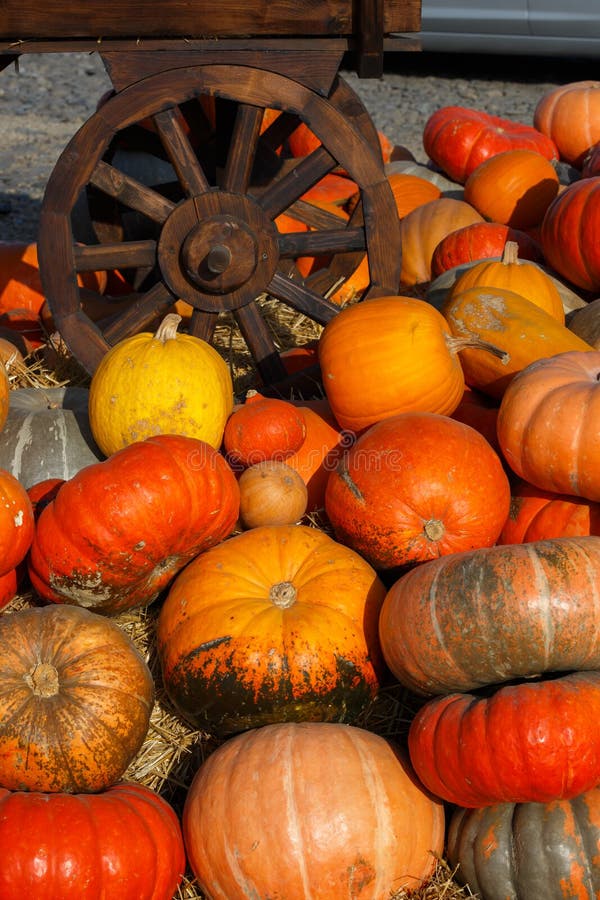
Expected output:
(209, 18)
(303, 299)
(130, 192)
(315, 243)
(139, 314)
(305, 173)
(260, 342)
(242, 151)
(130, 255)
(181, 154)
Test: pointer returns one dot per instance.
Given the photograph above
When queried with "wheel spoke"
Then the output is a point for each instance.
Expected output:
(313, 216)
(242, 150)
(131, 193)
(302, 298)
(314, 243)
(140, 313)
(104, 257)
(280, 129)
(260, 343)
(202, 324)
(170, 125)
(280, 195)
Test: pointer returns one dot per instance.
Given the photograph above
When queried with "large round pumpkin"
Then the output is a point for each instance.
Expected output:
(276, 624)
(397, 500)
(569, 114)
(318, 810)
(529, 851)
(125, 842)
(569, 233)
(119, 530)
(386, 356)
(47, 434)
(535, 741)
(459, 139)
(166, 383)
(494, 614)
(75, 700)
(548, 426)
(514, 188)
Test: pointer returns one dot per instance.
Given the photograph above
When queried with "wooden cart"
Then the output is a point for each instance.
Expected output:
(192, 80)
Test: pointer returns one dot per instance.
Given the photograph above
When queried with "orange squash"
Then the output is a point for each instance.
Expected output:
(513, 188)
(254, 631)
(323, 446)
(569, 114)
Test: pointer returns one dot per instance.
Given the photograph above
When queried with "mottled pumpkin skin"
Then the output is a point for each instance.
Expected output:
(494, 614)
(125, 842)
(396, 500)
(75, 700)
(529, 851)
(276, 624)
(118, 531)
(313, 809)
(530, 742)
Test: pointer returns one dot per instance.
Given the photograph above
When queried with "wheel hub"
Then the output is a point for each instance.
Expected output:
(218, 251)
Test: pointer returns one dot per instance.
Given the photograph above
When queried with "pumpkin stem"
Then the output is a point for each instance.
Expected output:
(283, 594)
(434, 529)
(167, 330)
(42, 679)
(456, 344)
(510, 255)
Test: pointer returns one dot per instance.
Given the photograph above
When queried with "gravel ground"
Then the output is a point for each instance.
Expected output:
(44, 103)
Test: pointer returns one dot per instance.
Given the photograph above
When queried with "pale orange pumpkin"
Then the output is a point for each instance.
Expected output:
(513, 188)
(569, 114)
(271, 493)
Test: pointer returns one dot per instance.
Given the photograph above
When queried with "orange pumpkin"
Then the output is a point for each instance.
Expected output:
(422, 229)
(389, 355)
(323, 446)
(253, 631)
(537, 515)
(481, 240)
(411, 191)
(548, 424)
(397, 500)
(524, 278)
(569, 114)
(513, 188)
(17, 524)
(262, 428)
(20, 283)
(355, 821)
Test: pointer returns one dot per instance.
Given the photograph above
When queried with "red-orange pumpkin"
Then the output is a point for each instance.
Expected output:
(276, 624)
(263, 428)
(459, 139)
(549, 426)
(16, 522)
(355, 821)
(482, 240)
(323, 446)
(119, 530)
(537, 515)
(569, 115)
(397, 499)
(124, 843)
(569, 233)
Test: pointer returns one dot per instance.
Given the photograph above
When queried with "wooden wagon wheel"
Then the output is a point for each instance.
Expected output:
(217, 247)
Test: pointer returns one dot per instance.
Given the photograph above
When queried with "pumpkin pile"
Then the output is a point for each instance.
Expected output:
(429, 524)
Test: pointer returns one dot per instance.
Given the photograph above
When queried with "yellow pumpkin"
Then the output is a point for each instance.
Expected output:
(522, 277)
(162, 383)
(524, 331)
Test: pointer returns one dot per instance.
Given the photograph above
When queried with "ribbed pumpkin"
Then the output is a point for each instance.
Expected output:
(568, 233)
(481, 240)
(459, 139)
(397, 501)
(422, 229)
(47, 434)
(166, 383)
(123, 842)
(548, 425)
(355, 821)
(511, 273)
(278, 623)
(16, 522)
(529, 851)
(569, 115)
(537, 515)
(493, 614)
(386, 356)
(411, 191)
(524, 331)
(75, 700)
(513, 188)
(119, 530)
(535, 741)
(591, 163)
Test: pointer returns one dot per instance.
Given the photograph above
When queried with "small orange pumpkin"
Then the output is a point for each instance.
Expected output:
(263, 428)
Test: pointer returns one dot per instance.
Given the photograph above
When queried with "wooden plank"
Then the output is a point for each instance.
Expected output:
(23, 19)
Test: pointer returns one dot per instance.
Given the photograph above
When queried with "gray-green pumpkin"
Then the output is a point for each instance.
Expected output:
(47, 434)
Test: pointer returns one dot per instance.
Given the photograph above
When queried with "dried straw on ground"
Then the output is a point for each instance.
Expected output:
(172, 750)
